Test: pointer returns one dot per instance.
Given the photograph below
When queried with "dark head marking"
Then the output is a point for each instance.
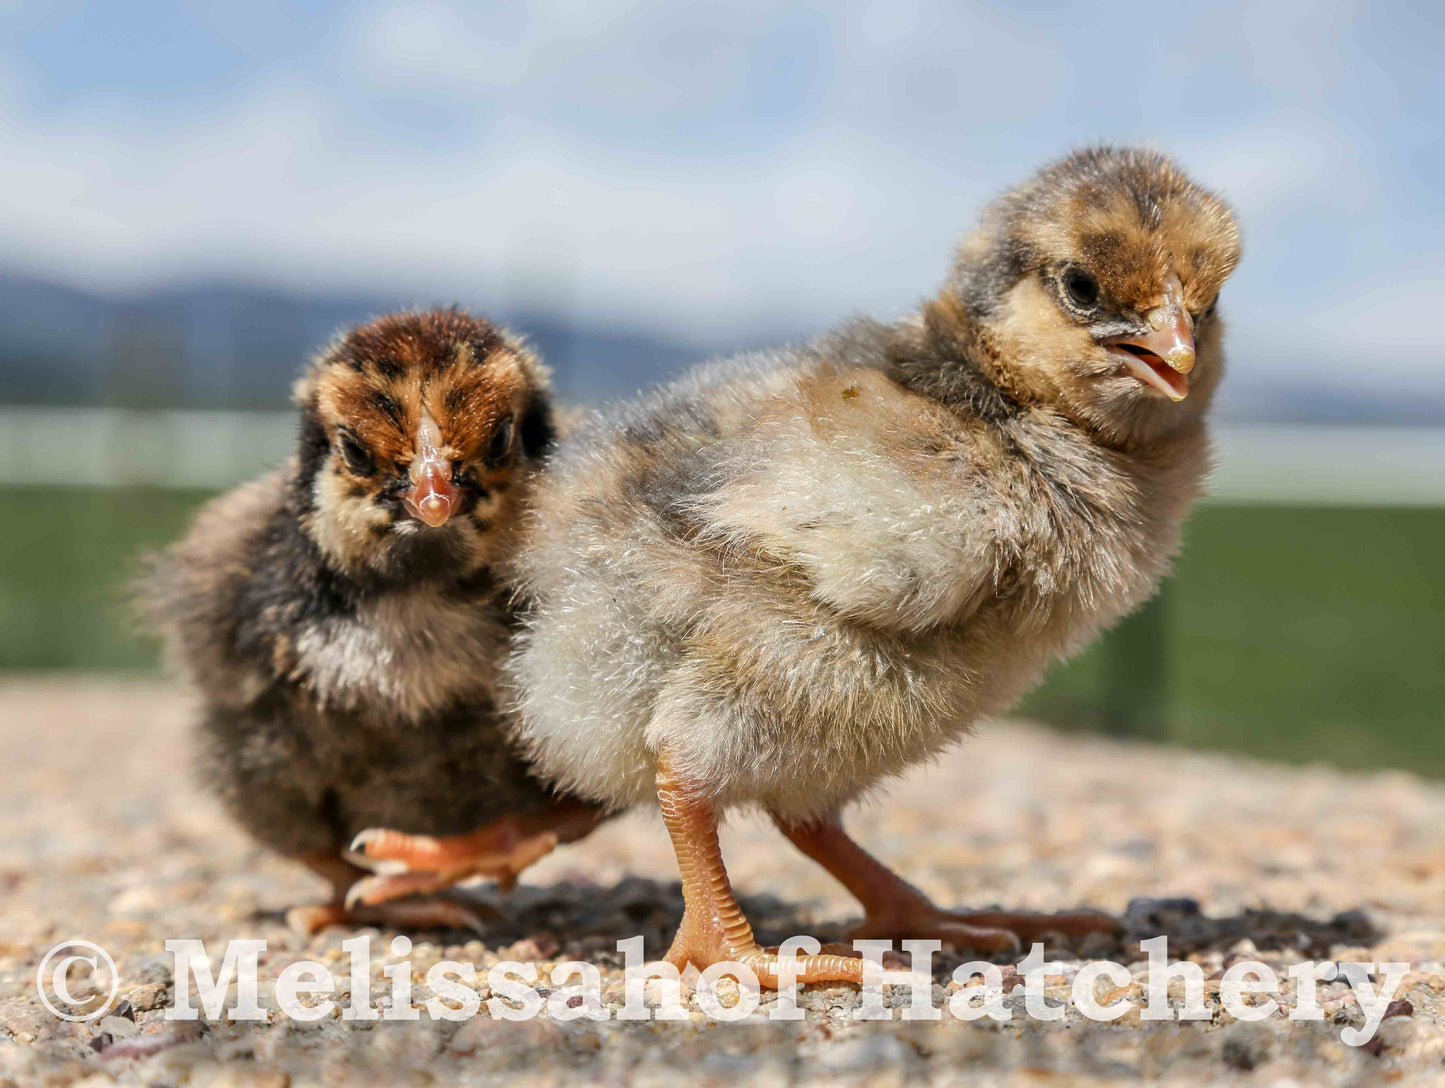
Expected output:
(388, 406)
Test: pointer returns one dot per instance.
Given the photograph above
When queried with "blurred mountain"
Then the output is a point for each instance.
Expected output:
(233, 345)
(1305, 398)
(240, 345)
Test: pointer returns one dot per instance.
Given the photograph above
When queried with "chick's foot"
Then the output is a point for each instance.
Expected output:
(409, 914)
(501, 850)
(896, 910)
(348, 907)
(714, 928)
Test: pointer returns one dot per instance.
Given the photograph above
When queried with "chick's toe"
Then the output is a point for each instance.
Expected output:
(408, 914)
(896, 910)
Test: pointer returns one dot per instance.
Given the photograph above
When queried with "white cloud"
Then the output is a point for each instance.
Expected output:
(432, 45)
(623, 149)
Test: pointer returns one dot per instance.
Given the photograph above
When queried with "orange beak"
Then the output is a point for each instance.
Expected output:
(433, 497)
(1163, 357)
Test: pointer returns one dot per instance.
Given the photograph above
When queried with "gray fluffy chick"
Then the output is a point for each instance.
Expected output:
(788, 577)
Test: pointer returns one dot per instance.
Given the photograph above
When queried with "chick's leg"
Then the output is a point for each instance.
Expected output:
(501, 850)
(896, 910)
(713, 927)
(342, 910)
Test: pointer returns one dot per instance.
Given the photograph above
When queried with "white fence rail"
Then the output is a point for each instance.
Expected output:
(111, 447)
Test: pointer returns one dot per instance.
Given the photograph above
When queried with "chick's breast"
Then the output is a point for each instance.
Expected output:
(776, 569)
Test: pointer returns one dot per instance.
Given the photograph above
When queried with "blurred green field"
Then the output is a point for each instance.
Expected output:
(1292, 633)
(1301, 634)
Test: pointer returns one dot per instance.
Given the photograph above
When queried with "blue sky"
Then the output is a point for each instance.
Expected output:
(704, 167)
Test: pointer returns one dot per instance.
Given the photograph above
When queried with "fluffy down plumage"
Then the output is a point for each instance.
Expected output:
(801, 572)
(345, 655)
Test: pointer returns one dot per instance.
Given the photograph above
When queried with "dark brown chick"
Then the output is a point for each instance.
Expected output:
(787, 578)
(343, 622)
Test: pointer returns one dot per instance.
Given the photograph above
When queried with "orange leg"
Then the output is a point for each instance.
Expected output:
(713, 927)
(895, 909)
(342, 910)
(502, 850)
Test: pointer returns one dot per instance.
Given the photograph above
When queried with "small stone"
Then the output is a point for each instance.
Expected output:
(655, 992)
(529, 950)
(156, 970)
(1113, 995)
(150, 996)
(1434, 981)
(483, 1032)
(118, 1027)
(1059, 995)
(726, 990)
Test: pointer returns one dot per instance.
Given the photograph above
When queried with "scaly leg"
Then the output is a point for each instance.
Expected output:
(895, 909)
(411, 863)
(713, 926)
(341, 910)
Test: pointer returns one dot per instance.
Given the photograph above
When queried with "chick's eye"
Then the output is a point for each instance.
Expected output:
(501, 443)
(1082, 288)
(358, 457)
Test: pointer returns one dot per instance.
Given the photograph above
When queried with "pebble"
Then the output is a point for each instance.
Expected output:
(483, 1033)
(150, 996)
(118, 1027)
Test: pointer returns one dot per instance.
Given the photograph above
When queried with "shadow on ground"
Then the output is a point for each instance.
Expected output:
(586, 921)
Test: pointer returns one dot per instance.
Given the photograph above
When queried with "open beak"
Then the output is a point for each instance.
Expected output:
(1163, 357)
(433, 497)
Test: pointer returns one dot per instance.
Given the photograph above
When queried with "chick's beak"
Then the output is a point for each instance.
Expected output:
(433, 497)
(1163, 357)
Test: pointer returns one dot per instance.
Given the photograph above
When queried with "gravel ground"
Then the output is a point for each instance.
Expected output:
(108, 840)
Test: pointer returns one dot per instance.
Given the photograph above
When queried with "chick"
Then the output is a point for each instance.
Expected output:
(343, 622)
(786, 578)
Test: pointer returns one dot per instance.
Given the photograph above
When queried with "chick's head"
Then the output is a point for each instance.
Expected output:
(418, 433)
(1097, 283)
